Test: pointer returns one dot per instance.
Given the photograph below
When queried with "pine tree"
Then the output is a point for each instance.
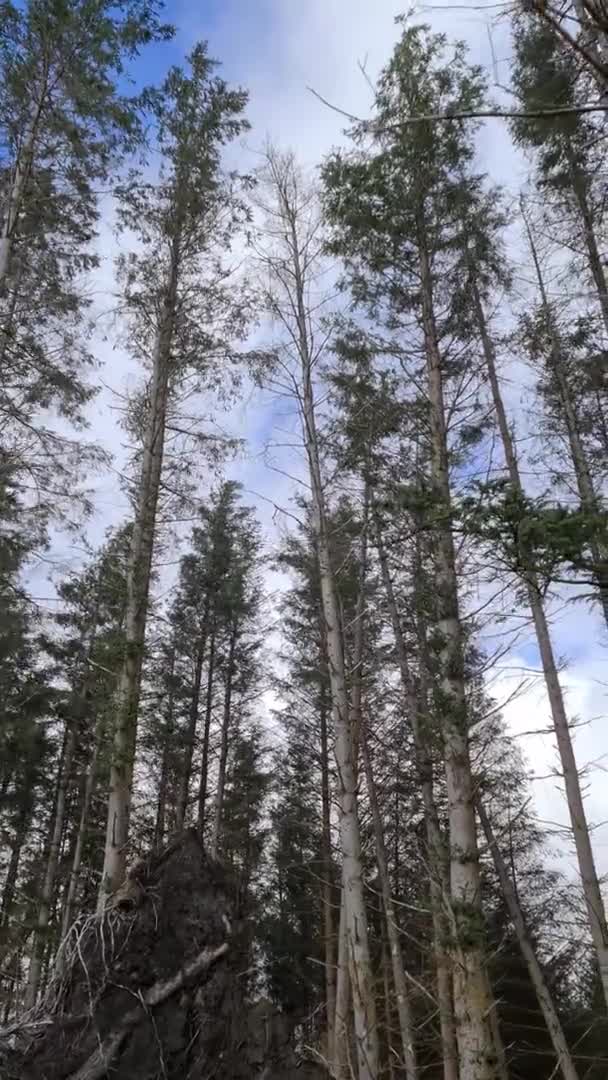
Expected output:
(393, 221)
(180, 221)
(66, 125)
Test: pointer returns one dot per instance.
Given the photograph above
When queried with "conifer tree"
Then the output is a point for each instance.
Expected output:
(392, 216)
(178, 327)
(293, 240)
(65, 126)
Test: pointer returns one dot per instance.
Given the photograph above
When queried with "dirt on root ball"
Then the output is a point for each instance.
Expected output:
(148, 990)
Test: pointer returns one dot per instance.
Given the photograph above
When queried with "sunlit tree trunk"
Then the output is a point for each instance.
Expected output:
(284, 183)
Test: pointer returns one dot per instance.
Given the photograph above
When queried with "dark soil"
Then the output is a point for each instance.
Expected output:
(151, 991)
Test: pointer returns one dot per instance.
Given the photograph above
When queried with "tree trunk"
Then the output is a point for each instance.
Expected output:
(184, 787)
(221, 773)
(579, 186)
(361, 740)
(576, 807)
(388, 1019)
(362, 987)
(20, 176)
(10, 881)
(161, 806)
(48, 885)
(202, 790)
(83, 824)
(138, 587)
(78, 710)
(537, 978)
(355, 914)
(340, 1057)
(475, 1044)
(586, 490)
(404, 1011)
(327, 891)
(437, 855)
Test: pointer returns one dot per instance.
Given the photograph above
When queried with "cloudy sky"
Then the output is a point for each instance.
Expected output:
(278, 49)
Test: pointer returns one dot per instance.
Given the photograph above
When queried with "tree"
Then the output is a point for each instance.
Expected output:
(66, 126)
(392, 219)
(483, 241)
(178, 328)
(291, 258)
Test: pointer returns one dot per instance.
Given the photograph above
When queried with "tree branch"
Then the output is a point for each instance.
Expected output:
(474, 114)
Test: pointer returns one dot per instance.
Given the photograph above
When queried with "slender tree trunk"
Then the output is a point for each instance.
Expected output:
(362, 987)
(204, 777)
(341, 1027)
(10, 881)
(580, 188)
(576, 807)
(161, 806)
(78, 712)
(437, 855)
(388, 1017)
(537, 978)
(586, 490)
(327, 891)
(138, 587)
(475, 1044)
(184, 787)
(48, 885)
(160, 824)
(361, 740)
(221, 774)
(20, 175)
(83, 825)
(404, 1011)
(8, 319)
(355, 915)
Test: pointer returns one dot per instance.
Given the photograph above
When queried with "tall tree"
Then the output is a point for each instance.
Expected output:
(483, 246)
(392, 217)
(291, 257)
(177, 328)
(65, 126)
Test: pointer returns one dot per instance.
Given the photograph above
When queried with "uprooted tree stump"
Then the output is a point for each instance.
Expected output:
(148, 990)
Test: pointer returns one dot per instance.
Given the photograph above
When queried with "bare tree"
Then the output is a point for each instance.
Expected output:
(290, 258)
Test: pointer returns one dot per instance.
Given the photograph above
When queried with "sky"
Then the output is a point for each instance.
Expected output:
(279, 50)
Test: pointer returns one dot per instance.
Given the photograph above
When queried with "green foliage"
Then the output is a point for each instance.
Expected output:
(533, 535)
(65, 127)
